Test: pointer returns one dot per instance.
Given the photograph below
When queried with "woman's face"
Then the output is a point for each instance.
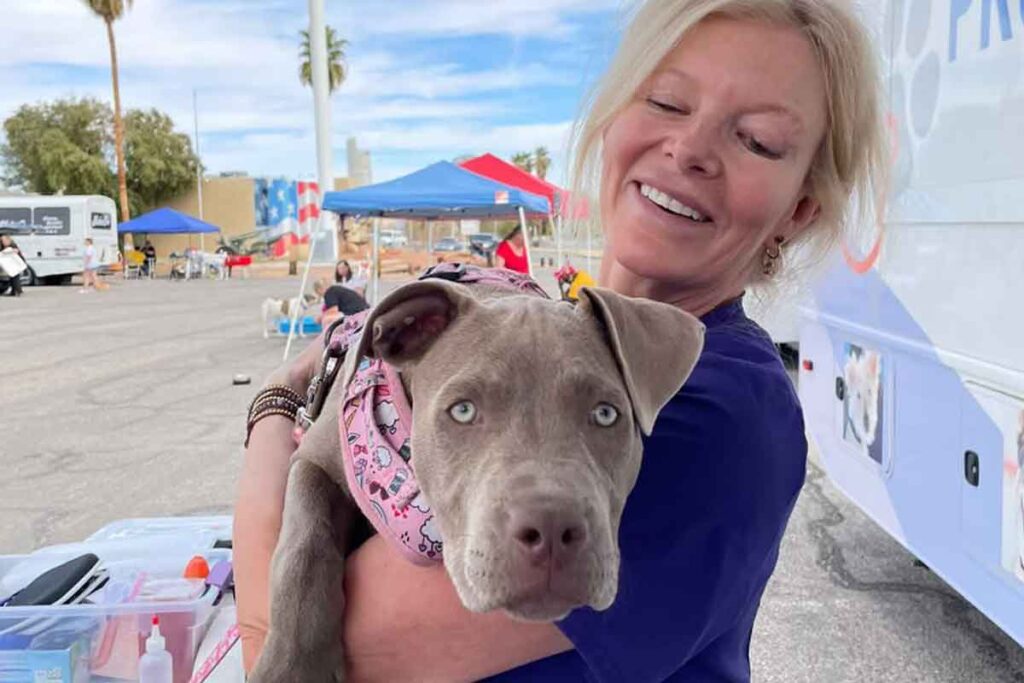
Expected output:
(5, 240)
(343, 271)
(708, 163)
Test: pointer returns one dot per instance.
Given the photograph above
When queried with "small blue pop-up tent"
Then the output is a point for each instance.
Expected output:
(441, 191)
(166, 222)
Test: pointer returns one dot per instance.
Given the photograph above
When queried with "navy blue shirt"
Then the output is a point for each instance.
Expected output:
(701, 531)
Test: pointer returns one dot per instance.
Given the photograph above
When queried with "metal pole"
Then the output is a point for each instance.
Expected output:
(375, 279)
(293, 315)
(558, 240)
(199, 166)
(321, 103)
(590, 247)
(526, 241)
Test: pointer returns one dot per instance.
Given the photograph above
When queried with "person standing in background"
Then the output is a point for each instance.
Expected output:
(8, 245)
(511, 253)
(89, 266)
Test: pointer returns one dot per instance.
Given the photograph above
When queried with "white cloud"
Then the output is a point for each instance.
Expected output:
(241, 57)
(537, 18)
(462, 138)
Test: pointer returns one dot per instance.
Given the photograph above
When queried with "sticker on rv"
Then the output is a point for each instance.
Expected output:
(101, 221)
(863, 375)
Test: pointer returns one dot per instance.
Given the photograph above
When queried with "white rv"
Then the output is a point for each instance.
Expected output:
(51, 232)
(912, 345)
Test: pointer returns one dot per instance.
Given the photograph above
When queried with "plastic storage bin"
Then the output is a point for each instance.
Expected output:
(102, 642)
(97, 642)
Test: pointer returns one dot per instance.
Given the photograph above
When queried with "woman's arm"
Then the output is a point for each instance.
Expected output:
(257, 524)
(260, 504)
(404, 622)
(329, 315)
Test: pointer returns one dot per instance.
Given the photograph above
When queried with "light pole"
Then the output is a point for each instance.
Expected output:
(199, 166)
(321, 106)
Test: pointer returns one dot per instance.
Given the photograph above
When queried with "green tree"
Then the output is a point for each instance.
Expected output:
(110, 11)
(160, 160)
(66, 146)
(523, 160)
(59, 147)
(337, 68)
(541, 162)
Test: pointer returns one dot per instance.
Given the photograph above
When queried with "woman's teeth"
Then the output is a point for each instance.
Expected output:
(671, 204)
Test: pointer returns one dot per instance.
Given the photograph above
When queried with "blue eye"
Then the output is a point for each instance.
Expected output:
(604, 415)
(463, 412)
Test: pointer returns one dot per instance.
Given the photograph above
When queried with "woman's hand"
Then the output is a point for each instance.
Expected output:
(298, 372)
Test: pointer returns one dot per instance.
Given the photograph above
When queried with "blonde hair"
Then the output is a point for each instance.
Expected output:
(852, 159)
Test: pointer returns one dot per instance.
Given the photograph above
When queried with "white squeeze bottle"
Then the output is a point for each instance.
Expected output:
(156, 666)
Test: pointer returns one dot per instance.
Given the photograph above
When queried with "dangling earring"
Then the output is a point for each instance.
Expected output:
(770, 259)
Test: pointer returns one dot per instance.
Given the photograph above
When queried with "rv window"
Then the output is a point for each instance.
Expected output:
(101, 221)
(54, 220)
(16, 218)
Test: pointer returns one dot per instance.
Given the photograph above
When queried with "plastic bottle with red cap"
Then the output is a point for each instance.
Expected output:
(156, 665)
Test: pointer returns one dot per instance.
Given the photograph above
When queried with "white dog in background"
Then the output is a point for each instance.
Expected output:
(276, 309)
(862, 378)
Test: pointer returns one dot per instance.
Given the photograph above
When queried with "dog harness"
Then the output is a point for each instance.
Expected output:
(375, 428)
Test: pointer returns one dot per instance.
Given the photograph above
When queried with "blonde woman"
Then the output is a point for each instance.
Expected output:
(90, 264)
(723, 133)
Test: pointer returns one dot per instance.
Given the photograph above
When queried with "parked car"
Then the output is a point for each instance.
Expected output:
(393, 238)
(483, 243)
(449, 244)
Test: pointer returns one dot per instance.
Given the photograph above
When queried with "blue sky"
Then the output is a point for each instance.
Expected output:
(429, 79)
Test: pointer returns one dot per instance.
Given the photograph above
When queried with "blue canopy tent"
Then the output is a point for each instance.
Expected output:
(441, 191)
(166, 222)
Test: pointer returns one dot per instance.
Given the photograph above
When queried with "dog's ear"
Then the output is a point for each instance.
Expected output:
(408, 321)
(655, 345)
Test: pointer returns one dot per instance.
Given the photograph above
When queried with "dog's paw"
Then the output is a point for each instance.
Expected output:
(311, 672)
(280, 662)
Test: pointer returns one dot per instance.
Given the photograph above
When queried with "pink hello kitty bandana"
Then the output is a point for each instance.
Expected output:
(375, 425)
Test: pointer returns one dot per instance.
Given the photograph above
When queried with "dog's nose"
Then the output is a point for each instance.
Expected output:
(545, 532)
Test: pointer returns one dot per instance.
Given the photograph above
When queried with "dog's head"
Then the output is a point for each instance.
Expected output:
(526, 436)
(862, 376)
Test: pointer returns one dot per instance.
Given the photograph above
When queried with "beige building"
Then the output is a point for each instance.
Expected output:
(228, 202)
(360, 167)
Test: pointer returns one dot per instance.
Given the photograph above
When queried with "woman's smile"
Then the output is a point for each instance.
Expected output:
(658, 211)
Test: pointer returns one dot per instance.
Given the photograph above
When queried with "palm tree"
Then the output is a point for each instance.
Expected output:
(110, 11)
(523, 160)
(337, 69)
(541, 162)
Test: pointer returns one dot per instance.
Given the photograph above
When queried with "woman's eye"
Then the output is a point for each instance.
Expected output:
(755, 146)
(604, 415)
(463, 412)
(667, 107)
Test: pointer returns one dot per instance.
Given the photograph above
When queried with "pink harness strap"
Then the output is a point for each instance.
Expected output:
(375, 426)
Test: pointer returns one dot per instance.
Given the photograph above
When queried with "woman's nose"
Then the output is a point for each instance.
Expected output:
(691, 145)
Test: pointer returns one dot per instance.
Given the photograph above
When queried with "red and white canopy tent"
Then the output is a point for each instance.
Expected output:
(562, 202)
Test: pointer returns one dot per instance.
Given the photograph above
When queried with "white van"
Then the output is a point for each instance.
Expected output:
(51, 232)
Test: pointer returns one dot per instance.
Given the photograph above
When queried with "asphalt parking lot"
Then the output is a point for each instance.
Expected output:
(120, 404)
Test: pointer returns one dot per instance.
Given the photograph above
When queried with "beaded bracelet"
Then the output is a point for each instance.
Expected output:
(276, 399)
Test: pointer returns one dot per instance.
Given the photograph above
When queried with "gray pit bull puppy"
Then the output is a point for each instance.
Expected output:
(528, 493)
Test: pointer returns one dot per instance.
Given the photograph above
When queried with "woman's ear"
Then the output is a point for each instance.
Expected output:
(805, 212)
